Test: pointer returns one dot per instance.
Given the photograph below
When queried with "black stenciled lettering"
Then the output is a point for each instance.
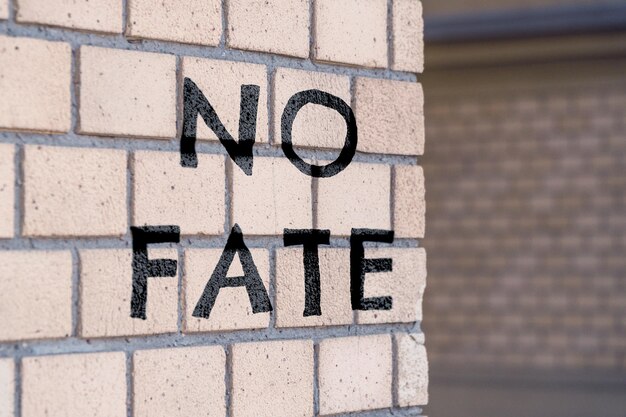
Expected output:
(295, 103)
(259, 300)
(196, 103)
(310, 239)
(144, 268)
(359, 266)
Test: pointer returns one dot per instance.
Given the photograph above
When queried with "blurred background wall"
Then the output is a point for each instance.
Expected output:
(525, 313)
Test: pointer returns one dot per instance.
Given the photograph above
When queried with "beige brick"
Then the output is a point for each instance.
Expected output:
(405, 284)
(409, 203)
(127, 93)
(4, 14)
(35, 295)
(232, 310)
(358, 197)
(106, 282)
(334, 285)
(96, 15)
(179, 382)
(166, 193)
(315, 126)
(351, 32)
(412, 370)
(187, 21)
(88, 385)
(7, 190)
(275, 197)
(35, 78)
(225, 95)
(276, 26)
(7, 387)
(355, 374)
(408, 36)
(74, 192)
(390, 116)
(273, 379)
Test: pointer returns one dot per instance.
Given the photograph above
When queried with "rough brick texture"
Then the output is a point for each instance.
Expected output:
(358, 197)
(127, 93)
(409, 216)
(355, 374)
(92, 15)
(179, 382)
(225, 95)
(166, 193)
(390, 116)
(35, 83)
(408, 39)
(412, 370)
(106, 288)
(7, 387)
(343, 37)
(35, 281)
(275, 197)
(65, 385)
(7, 190)
(276, 26)
(282, 371)
(187, 21)
(74, 191)
(93, 122)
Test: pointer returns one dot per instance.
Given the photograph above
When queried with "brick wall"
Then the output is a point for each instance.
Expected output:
(527, 220)
(91, 118)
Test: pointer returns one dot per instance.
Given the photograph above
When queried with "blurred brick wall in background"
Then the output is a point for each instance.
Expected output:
(526, 224)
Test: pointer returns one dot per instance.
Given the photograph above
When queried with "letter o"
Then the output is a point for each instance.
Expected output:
(295, 103)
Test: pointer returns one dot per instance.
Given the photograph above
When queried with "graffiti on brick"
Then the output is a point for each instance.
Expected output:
(241, 152)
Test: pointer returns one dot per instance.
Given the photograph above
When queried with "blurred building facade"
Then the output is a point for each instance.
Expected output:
(525, 312)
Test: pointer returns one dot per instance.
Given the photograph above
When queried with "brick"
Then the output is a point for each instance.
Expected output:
(412, 370)
(92, 15)
(341, 35)
(405, 284)
(232, 310)
(358, 197)
(390, 116)
(276, 196)
(186, 21)
(355, 374)
(7, 190)
(34, 286)
(127, 93)
(35, 78)
(166, 193)
(225, 95)
(408, 36)
(275, 26)
(334, 284)
(273, 379)
(7, 387)
(409, 217)
(74, 192)
(179, 382)
(315, 126)
(88, 385)
(106, 282)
